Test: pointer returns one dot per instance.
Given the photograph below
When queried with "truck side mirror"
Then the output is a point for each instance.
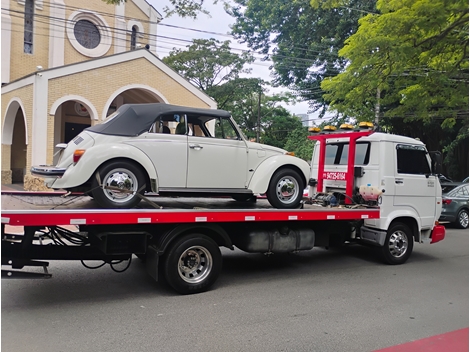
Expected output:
(436, 162)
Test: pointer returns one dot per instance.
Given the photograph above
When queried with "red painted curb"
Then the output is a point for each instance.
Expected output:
(454, 341)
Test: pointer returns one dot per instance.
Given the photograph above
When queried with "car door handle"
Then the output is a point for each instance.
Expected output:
(398, 181)
(195, 146)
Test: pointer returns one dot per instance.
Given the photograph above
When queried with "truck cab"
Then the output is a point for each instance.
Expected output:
(393, 172)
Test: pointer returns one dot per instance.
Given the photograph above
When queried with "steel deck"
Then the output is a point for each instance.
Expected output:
(50, 210)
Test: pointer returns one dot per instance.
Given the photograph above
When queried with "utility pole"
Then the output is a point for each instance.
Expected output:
(377, 109)
(259, 117)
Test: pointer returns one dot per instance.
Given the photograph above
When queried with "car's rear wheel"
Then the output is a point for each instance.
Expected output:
(462, 219)
(118, 185)
(285, 189)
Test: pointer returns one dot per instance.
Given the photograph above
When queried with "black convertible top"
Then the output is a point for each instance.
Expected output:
(135, 119)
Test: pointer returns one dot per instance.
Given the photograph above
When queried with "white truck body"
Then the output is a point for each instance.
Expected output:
(399, 167)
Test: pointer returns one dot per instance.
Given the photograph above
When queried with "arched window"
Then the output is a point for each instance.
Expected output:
(28, 26)
(134, 37)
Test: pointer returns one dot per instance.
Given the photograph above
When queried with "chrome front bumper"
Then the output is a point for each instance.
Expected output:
(47, 171)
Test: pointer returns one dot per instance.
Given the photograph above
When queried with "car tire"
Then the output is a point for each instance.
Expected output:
(462, 219)
(192, 264)
(398, 244)
(121, 175)
(285, 189)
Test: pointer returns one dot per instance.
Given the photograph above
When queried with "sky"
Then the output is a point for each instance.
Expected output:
(219, 24)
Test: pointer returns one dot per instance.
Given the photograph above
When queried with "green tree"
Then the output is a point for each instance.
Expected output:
(276, 123)
(409, 63)
(208, 62)
(213, 68)
(182, 8)
(236, 90)
(302, 41)
(298, 142)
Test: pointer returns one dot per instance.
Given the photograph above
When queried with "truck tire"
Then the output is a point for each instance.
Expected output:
(122, 175)
(462, 219)
(192, 264)
(398, 244)
(285, 189)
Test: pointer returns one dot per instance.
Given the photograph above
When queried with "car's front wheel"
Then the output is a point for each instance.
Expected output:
(118, 185)
(462, 219)
(285, 189)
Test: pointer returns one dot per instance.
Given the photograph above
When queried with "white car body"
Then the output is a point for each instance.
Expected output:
(178, 164)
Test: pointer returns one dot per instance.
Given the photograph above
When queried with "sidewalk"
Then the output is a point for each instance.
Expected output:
(13, 187)
(19, 188)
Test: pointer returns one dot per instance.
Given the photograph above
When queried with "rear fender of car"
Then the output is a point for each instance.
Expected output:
(262, 175)
(78, 174)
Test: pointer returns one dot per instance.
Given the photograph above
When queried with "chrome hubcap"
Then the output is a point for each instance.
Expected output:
(120, 179)
(287, 189)
(463, 219)
(195, 264)
(398, 244)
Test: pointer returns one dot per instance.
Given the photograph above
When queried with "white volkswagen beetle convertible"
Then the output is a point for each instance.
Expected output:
(174, 151)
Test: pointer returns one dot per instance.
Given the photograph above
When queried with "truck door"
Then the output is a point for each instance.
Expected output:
(415, 187)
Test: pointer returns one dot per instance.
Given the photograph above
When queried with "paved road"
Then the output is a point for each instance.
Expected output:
(317, 300)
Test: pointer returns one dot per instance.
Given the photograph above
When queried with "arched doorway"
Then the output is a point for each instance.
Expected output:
(18, 149)
(14, 143)
(71, 116)
(133, 94)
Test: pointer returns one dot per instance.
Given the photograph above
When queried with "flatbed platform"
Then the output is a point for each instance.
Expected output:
(53, 209)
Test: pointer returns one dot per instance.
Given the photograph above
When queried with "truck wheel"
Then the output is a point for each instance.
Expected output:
(398, 244)
(119, 175)
(285, 189)
(192, 264)
(462, 219)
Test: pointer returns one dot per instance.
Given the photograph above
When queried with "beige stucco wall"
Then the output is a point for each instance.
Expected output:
(22, 64)
(107, 12)
(104, 10)
(25, 95)
(98, 85)
(133, 12)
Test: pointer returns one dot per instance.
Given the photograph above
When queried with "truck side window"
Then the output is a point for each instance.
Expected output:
(330, 154)
(337, 154)
(412, 160)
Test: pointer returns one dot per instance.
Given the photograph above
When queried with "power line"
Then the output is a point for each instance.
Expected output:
(112, 15)
(293, 60)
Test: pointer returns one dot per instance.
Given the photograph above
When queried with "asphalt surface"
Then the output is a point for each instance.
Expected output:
(318, 300)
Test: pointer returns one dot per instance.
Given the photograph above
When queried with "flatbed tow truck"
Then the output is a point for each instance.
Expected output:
(180, 238)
